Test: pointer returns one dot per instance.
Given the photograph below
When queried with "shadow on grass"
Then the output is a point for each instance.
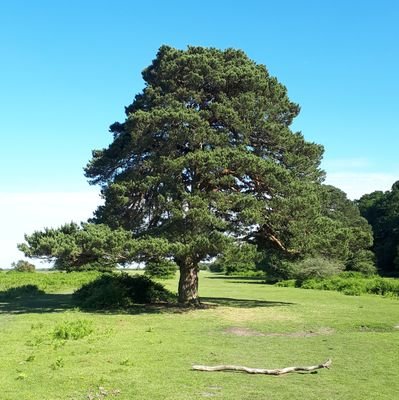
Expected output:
(243, 303)
(240, 279)
(30, 299)
(39, 303)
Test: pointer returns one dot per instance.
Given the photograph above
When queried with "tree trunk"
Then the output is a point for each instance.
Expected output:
(188, 284)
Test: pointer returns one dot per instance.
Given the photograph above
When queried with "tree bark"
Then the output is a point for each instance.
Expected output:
(278, 371)
(188, 284)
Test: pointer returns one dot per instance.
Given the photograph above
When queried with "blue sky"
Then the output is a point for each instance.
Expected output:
(69, 67)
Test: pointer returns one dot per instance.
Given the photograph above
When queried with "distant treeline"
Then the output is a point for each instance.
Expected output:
(381, 209)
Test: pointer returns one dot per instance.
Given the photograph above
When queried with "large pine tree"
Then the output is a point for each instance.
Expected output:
(206, 157)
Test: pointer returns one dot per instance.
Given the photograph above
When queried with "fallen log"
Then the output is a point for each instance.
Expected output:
(278, 371)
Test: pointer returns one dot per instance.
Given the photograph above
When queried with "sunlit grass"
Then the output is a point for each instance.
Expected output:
(148, 353)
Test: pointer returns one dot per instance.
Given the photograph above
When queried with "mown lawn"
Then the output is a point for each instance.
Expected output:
(148, 353)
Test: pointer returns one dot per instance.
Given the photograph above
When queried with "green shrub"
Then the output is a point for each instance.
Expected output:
(121, 291)
(73, 330)
(23, 266)
(203, 266)
(355, 284)
(383, 286)
(316, 268)
(216, 267)
(287, 283)
(239, 259)
(161, 268)
(363, 261)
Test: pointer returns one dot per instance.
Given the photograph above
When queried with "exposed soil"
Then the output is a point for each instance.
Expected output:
(243, 332)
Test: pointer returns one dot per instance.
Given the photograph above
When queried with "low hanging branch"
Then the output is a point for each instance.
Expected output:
(278, 371)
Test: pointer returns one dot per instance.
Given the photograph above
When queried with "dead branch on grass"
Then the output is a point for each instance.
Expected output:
(278, 371)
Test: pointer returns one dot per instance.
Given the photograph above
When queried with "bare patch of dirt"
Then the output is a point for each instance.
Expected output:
(242, 331)
(242, 315)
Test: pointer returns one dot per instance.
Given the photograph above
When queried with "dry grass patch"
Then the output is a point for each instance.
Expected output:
(243, 315)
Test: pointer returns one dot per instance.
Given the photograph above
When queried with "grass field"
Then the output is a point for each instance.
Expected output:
(148, 353)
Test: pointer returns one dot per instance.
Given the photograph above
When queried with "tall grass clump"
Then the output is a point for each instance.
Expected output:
(73, 330)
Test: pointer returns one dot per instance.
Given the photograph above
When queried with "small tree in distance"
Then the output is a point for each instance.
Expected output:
(23, 266)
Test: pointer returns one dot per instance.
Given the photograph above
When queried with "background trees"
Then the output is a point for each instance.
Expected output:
(382, 212)
(23, 266)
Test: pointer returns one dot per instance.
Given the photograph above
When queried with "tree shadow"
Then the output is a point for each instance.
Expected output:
(30, 299)
(240, 279)
(37, 304)
(243, 303)
(236, 277)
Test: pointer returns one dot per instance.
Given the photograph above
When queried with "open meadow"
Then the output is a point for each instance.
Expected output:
(50, 350)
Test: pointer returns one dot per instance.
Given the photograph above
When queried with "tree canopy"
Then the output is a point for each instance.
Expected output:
(206, 156)
(79, 247)
(205, 160)
(381, 209)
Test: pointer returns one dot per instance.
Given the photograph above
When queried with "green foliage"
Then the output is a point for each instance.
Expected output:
(48, 282)
(203, 266)
(363, 261)
(73, 330)
(316, 268)
(23, 266)
(80, 247)
(353, 284)
(59, 363)
(337, 234)
(302, 270)
(237, 259)
(206, 154)
(121, 291)
(340, 232)
(160, 268)
(382, 212)
(300, 327)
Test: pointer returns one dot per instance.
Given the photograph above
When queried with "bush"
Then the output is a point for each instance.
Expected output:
(161, 268)
(316, 268)
(121, 291)
(23, 266)
(355, 284)
(287, 283)
(216, 267)
(363, 262)
(237, 259)
(203, 266)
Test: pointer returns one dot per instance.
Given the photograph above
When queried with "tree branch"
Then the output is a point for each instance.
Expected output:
(278, 371)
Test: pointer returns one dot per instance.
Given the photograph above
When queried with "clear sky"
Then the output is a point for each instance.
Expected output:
(68, 68)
